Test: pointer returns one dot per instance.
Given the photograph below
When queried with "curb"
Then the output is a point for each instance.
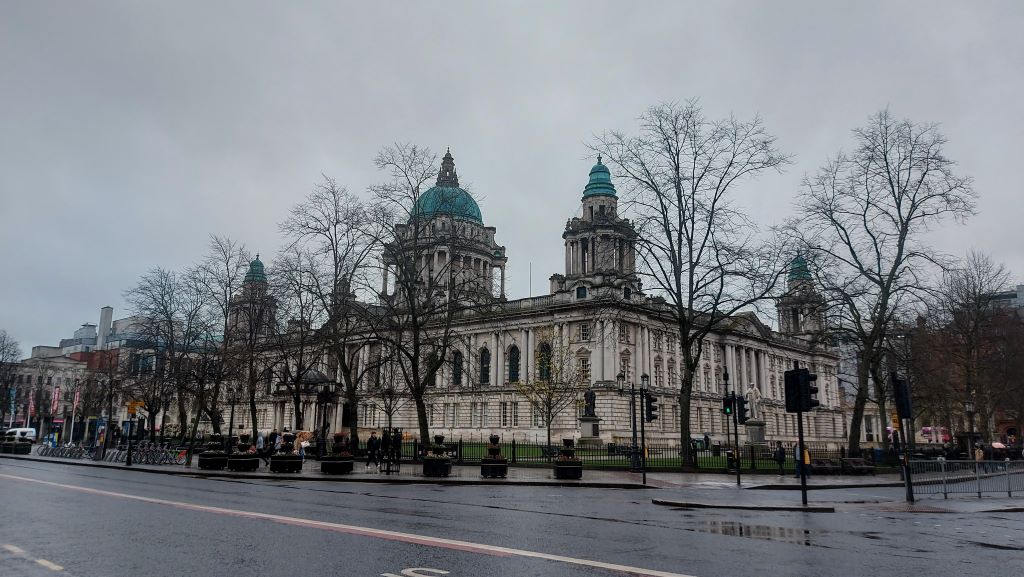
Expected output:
(801, 509)
(339, 479)
(875, 485)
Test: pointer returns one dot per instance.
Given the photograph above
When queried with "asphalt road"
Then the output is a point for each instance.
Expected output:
(80, 521)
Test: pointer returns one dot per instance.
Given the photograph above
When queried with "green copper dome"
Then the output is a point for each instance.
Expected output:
(798, 269)
(256, 273)
(446, 197)
(600, 181)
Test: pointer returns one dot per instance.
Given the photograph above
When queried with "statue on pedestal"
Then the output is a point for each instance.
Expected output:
(754, 401)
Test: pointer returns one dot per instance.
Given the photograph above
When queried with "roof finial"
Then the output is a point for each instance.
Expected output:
(599, 158)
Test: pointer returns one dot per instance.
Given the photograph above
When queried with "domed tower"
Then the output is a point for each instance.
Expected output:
(600, 247)
(252, 306)
(445, 243)
(801, 309)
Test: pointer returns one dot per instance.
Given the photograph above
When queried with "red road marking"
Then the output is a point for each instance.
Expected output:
(365, 531)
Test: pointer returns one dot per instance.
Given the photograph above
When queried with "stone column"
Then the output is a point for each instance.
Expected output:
(529, 338)
(497, 359)
(502, 295)
(603, 349)
(384, 285)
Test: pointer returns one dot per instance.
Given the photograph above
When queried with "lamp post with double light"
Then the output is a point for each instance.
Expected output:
(634, 449)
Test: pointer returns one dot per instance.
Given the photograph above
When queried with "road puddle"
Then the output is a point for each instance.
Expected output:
(763, 532)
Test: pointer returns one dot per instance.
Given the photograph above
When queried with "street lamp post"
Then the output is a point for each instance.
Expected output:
(233, 393)
(634, 450)
(969, 407)
(324, 397)
(644, 382)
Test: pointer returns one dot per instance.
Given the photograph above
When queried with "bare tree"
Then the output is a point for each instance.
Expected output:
(416, 321)
(559, 380)
(696, 248)
(387, 391)
(339, 234)
(299, 348)
(10, 354)
(222, 275)
(861, 221)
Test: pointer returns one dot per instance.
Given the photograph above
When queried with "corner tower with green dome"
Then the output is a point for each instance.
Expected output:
(801, 309)
(600, 247)
(445, 241)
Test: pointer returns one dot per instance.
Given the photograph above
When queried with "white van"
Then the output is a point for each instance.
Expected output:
(26, 432)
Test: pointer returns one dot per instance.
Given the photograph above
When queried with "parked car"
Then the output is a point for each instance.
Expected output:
(23, 432)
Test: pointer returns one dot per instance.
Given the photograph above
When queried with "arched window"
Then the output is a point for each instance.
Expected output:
(485, 366)
(544, 362)
(513, 364)
(457, 369)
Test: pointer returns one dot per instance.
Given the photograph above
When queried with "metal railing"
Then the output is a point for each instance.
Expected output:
(970, 477)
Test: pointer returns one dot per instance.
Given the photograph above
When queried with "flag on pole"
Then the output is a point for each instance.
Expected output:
(74, 405)
(55, 400)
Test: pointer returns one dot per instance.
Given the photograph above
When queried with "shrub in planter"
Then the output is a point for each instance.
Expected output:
(245, 457)
(437, 463)
(286, 460)
(567, 464)
(214, 458)
(494, 464)
(340, 460)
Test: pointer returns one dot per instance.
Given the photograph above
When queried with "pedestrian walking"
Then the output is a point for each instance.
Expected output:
(979, 457)
(373, 451)
(261, 447)
(780, 457)
(707, 442)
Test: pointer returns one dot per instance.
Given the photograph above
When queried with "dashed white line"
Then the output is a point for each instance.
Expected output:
(49, 565)
(15, 550)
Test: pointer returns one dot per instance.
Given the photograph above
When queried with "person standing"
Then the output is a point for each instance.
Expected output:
(979, 457)
(780, 457)
(373, 451)
(261, 447)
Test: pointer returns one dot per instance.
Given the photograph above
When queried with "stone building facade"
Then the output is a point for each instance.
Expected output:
(598, 311)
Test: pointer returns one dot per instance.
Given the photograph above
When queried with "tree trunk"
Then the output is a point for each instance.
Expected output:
(299, 421)
(857, 419)
(421, 417)
(688, 457)
(352, 414)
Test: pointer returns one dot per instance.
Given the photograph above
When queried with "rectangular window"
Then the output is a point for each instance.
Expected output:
(584, 369)
(474, 415)
(504, 414)
(515, 414)
(623, 333)
(585, 331)
(538, 415)
(656, 338)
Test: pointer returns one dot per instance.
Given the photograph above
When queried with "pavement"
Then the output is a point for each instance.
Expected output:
(70, 521)
(676, 490)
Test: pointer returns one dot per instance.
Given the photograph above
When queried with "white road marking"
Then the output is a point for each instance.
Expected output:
(15, 550)
(369, 531)
(49, 565)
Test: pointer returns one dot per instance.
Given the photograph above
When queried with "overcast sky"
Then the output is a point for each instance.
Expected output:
(130, 132)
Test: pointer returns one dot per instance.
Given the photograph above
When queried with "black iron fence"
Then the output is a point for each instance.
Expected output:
(660, 456)
(944, 477)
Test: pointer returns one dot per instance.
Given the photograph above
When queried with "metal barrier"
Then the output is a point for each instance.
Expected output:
(970, 477)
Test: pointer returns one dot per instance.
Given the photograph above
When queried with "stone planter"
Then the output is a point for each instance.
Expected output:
(567, 464)
(213, 460)
(494, 464)
(246, 462)
(437, 467)
(284, 463)
(336, 465)
(493, 468)
(569, 470)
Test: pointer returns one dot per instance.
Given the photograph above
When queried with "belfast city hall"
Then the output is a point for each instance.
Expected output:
(594, 316)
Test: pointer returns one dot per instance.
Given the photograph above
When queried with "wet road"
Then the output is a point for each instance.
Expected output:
(64, 520)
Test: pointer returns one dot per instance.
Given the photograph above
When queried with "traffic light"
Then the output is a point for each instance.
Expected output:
(792, 379)
(741, 410)
(651, 407)
(808, 390)
(800, 391)
(727, 404)
(901, 392)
